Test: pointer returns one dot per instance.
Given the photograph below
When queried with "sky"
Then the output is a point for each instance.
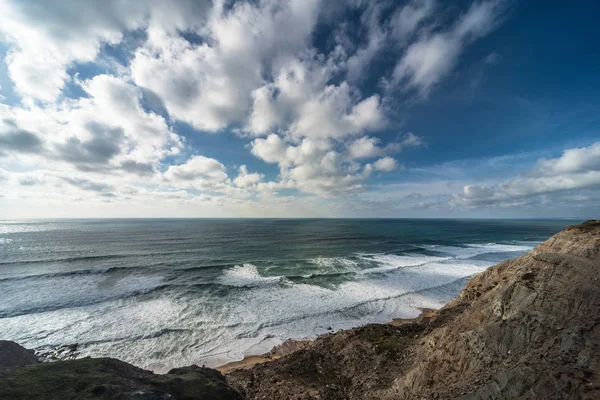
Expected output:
(299, 108)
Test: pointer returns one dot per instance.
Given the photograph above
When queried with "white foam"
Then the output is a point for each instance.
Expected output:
(5, 240)
(164, 333)
(66, 291)
(472, 250)
(502, 248)
(303, 310)
(168, 332)
(246, 275)
(390, 262)
(334, 262)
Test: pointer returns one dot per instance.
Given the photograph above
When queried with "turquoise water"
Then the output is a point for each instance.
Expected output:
(167, 293)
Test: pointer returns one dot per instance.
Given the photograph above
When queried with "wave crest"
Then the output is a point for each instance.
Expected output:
(247, 275)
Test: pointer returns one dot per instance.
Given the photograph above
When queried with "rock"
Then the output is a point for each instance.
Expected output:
(107, 378)
(526, 328)
(55, 353)
(14, 355)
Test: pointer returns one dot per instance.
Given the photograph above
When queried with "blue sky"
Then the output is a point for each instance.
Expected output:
(273, 108)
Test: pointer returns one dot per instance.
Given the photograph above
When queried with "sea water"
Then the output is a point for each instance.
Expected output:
(167, 293)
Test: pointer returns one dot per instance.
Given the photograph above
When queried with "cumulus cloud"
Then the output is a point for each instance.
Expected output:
(369, 147)
(247, 180)
(209, 84)
(50, 35)
(386, 164)
(313, 165)
(198, 168)
(14, 139)
(87, 184)
(106, 131)
(572, 161)
(576, 169)
(302, 101)
(414, 196)
(365, 147)
(314, 119)
(259, 70)
(103, 144)
(272, 149)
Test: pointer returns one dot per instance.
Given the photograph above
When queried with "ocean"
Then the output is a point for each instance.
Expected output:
(167, 293)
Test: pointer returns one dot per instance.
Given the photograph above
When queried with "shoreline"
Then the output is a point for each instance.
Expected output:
(465, 349)
(292, 345)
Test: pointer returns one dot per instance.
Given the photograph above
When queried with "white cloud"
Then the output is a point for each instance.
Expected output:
(272, 149)
(198, 167)
(106, 131)
(249, 68)
(406, 19)
(209, 85)
(434, 55)
(314, 166)
(313, 118)
(365, 147)
(331, 115)
(385, 34)
(376, 41)
(301, 101)
(477, 191)
(573, 161)
(247, 180)
(386, 164)
(47, 36)
(576, 169)
(199, 172)
(369, 147)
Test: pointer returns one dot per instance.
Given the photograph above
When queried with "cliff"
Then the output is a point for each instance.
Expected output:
(526, 328)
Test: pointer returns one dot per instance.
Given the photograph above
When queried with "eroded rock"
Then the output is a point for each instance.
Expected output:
(527, 328)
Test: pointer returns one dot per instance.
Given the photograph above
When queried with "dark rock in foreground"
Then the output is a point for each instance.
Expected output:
(107, 378)
(15, 355)
(527, 328)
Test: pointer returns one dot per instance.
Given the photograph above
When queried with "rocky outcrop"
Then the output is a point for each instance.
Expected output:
(525, 328)
(15, 355)
(528, 328)
(107, 378)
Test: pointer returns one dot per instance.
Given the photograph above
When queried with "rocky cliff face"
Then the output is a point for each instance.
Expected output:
(527, 328)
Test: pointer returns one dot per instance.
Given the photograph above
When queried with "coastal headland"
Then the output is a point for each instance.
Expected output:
(526, 328)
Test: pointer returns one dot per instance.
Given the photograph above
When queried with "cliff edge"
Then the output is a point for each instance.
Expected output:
(527, 328)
